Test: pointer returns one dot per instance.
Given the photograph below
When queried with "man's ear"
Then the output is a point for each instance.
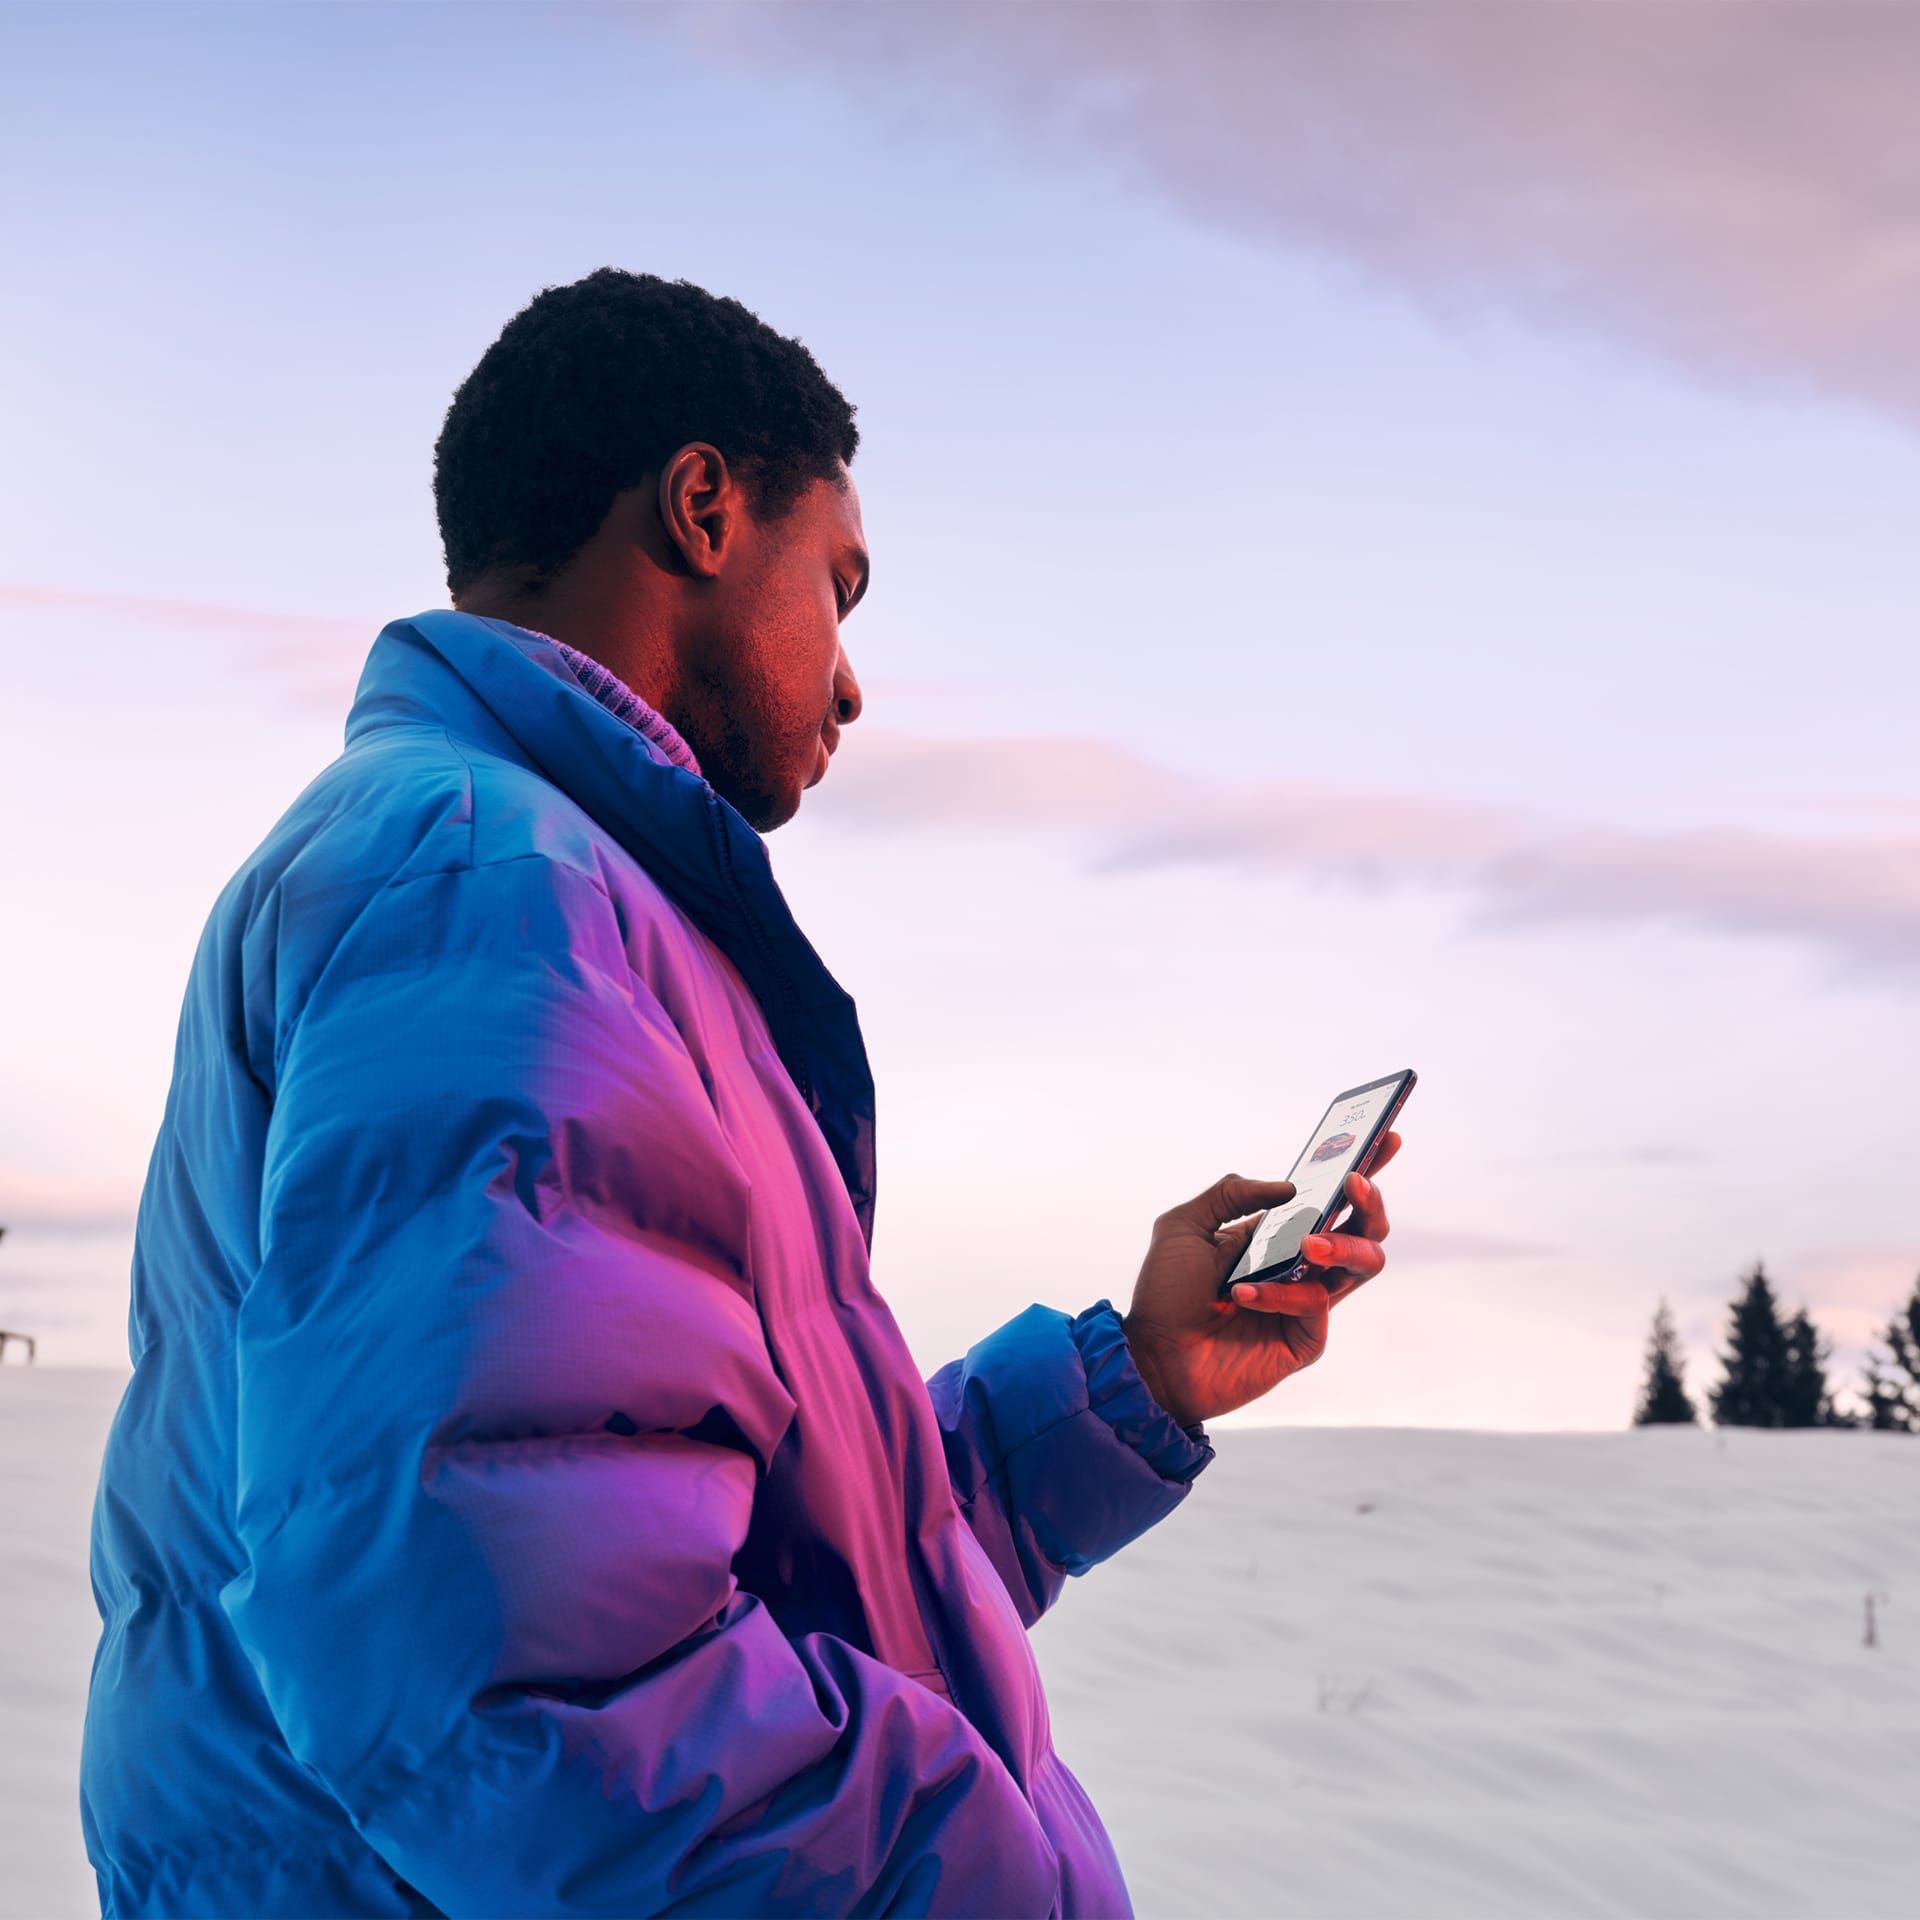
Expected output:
(699, 507)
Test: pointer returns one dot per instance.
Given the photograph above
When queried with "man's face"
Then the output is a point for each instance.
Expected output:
(767, 685)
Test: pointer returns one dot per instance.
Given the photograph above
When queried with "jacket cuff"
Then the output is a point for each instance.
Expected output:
(1120, 1396)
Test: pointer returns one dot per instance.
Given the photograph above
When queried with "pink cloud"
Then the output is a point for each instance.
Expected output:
(316, 657)
(1728, 183)
(1852, 1290)
(1854, 898)
(61, 1204)
(274, 636)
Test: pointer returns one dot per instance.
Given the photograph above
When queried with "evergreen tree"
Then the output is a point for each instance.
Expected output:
(1885, 1407)
(1903, 1341)
(1756, 1368)
(1663, 1394)
(1892, 1389)
(1806, 1400)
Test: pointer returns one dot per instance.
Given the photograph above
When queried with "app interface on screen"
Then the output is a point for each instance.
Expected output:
(1317, 1174)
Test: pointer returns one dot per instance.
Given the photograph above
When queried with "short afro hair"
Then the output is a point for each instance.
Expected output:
(592, 387)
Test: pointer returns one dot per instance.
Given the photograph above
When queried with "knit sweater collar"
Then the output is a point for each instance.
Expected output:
(616, 696)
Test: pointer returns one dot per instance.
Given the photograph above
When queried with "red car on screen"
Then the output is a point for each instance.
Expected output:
(1332, 1144)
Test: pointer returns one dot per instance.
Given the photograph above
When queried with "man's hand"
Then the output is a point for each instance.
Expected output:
(1202, 1356)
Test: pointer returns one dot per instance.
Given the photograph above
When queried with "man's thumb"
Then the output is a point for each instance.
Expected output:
(1232, 1195)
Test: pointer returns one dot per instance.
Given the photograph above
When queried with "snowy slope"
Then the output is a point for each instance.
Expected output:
(1391, 1672)
(1373, 1672)
(53, 1424)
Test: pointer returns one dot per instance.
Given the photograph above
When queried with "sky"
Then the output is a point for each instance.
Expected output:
(1392, 538)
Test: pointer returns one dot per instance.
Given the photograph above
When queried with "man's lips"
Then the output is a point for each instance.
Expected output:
(822, 754)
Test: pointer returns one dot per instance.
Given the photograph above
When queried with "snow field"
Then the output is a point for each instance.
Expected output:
(1380, 1673)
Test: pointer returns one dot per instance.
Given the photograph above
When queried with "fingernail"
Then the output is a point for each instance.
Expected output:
(1315, 1247)
(1243, 1289)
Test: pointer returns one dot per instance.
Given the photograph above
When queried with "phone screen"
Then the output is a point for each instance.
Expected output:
(1326, 1160)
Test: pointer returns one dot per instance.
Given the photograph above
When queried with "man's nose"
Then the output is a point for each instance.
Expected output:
(846, 692)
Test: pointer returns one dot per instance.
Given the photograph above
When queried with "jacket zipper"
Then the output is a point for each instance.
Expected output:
(773, 966)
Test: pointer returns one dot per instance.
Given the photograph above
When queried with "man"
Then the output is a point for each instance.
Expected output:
(523, 1502)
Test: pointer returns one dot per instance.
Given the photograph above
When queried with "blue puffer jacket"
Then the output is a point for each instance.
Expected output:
(523, 1502)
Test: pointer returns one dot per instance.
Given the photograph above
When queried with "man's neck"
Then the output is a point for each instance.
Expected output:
(608, 687)
(607, 615)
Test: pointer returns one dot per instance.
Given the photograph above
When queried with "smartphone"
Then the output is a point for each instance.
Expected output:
(1348, 1136)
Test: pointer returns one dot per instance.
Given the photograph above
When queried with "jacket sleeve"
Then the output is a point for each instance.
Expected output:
(1058, 1452)
(504, 1400)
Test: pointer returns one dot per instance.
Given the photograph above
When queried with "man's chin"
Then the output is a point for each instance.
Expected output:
(767, 805)
(763, 812)
(779, 817)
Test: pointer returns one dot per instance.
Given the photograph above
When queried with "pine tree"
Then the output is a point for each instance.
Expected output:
(1663, 1395)
(1892, 1389)
(1903, 1341)
(1756, 1368)
(1885, 1407)
(1806, 1400)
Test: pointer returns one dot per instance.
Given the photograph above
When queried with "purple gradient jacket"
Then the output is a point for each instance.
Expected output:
(523, 1502)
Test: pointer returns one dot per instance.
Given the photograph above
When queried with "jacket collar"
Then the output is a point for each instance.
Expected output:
(510, 691)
